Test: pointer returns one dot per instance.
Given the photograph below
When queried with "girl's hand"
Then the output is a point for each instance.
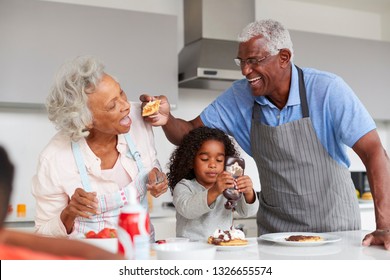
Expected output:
(157, 182)
(244, 184)
(223, 182)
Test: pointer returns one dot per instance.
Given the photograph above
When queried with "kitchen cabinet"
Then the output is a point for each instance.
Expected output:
(164, 221)
(138, 48)
(367, 214)
(362, 63)
(249, 226)
(164, 227)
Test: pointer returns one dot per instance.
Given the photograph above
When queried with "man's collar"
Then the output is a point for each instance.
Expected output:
(293, 95)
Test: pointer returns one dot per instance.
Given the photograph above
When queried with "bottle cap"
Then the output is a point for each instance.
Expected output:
(21, 210)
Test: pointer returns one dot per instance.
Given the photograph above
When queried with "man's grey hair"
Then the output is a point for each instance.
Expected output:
(274, 32)
(67, 101)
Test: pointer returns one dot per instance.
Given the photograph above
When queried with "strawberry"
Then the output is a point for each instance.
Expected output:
(91, 234)
(104, 233)
(113, 233)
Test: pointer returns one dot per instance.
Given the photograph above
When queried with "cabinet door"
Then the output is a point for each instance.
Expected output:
(138, 48)
(164, 227)
(368, 219)
(250, 226)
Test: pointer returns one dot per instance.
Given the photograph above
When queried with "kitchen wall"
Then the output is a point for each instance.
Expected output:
(24, 132)
(322, 19)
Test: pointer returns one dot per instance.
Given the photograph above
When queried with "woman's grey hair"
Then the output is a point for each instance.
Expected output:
(67, 101)
(274, 32)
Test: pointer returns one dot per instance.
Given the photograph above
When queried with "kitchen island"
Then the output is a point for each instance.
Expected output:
(348, 248)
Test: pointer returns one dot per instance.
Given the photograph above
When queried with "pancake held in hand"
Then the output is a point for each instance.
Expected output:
(232, 237)
(304, 238)
(234, 166)
(151, 107)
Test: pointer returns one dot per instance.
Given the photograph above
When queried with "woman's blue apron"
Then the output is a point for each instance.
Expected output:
(109, 205)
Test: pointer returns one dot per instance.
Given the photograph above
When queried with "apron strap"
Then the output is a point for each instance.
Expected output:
(256, 112)
(302, 93)
(142, 176)
(81, 166)
(134, 152)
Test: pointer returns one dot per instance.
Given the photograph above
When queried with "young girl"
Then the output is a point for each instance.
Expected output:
(197, 179)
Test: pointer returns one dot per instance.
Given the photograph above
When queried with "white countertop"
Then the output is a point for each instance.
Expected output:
(348, 248)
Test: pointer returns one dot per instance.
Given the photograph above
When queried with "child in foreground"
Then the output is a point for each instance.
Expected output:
(197, 180)
(17, 245)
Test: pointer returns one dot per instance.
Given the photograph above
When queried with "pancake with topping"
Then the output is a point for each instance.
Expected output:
(304, 238)
(232, 237)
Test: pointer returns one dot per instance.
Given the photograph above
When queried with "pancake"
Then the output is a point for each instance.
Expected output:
(304, 238)
(151, 107)
(232, 242)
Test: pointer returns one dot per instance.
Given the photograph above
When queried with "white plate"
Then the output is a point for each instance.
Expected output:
(280, 238)
(251, 242)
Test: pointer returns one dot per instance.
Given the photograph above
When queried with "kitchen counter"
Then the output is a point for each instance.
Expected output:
(348, 248)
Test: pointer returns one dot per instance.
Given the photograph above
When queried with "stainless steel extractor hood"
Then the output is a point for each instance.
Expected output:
(206, 61)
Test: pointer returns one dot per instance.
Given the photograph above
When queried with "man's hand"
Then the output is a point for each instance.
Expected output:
(161, 117)
(378, 237)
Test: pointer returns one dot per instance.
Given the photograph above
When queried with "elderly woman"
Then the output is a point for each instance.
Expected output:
(103, 148)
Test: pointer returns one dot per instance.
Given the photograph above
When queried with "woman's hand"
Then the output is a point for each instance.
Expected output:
(81, 204)
(157, 182)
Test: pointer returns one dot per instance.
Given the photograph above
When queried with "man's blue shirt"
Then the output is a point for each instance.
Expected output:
(339, 118)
